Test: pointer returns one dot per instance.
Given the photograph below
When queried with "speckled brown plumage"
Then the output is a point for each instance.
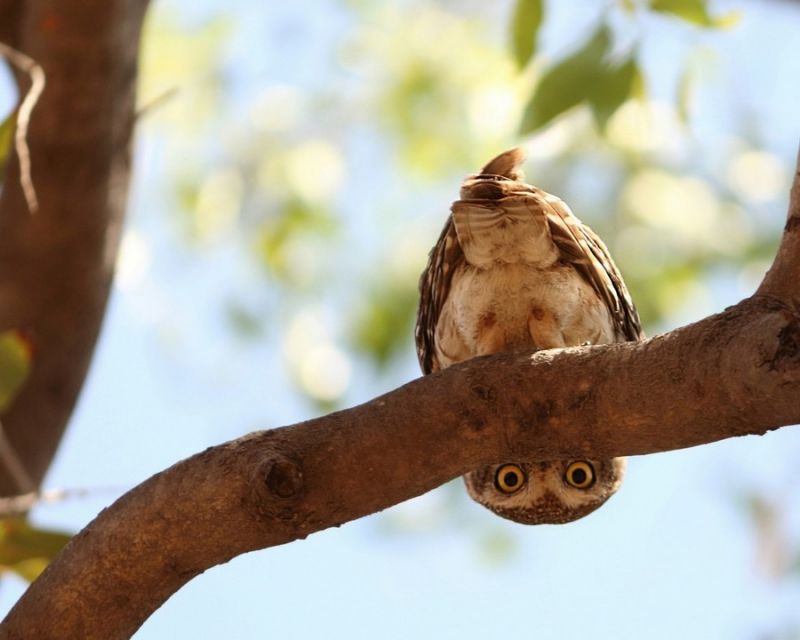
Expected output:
(514, 269)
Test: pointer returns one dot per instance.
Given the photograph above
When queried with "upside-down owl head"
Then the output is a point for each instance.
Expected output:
(546, 492)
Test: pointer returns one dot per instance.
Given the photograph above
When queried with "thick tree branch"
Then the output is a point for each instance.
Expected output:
(734, 373)
(783, 278)
(56, 265)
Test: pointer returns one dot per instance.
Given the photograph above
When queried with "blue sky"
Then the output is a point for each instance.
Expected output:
(672, 555)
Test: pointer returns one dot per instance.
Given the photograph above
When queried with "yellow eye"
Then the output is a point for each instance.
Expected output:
(509, 478)
(580, 475)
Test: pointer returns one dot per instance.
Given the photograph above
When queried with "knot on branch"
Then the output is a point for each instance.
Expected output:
(486, 393)
(283, 477)
(277, 488)
(787, 355)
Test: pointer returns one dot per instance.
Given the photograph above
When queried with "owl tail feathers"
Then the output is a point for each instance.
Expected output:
(500, 178)
(507, 165)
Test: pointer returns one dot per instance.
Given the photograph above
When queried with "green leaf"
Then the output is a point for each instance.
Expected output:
(27, 550)
(15, 361)
(525, 23)
(28, 569)
(247, 324)
(297, 219)
(566, 84)
(696, 12)
(497, 547)
(7, 128)
(638, 85)
(584, 76)
(612, 86)
(383, 325)
(685, 94)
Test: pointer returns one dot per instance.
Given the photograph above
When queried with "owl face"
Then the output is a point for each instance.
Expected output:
(546, 492)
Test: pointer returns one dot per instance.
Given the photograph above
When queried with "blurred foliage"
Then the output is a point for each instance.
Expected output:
(583, 77)
(383, 317)
(695, 11)
(334, 178)
(275, 234)
(593, 74)
(245, 322)
(15, 362)
(442, 94)
(445, 94)
(525, 23)
(27, 550)
(334, 185)
(181, 61)
(24, 549)
(777, 547)
(7, 128)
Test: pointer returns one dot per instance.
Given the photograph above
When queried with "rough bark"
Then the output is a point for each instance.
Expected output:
(732, 374)
(56, 265)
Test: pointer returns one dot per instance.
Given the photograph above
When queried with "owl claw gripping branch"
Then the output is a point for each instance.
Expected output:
(515, 270)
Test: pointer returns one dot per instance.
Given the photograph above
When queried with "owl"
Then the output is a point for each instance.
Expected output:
(515, 270)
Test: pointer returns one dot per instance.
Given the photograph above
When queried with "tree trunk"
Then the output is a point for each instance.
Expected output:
(56, 264)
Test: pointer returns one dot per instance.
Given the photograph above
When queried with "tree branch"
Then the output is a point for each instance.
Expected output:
(731, 374)
(783, 277)
(56, 266)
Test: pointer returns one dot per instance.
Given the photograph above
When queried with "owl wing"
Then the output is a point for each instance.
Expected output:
(583, 249)
(447, 256)
(434, 285)
(577, 244)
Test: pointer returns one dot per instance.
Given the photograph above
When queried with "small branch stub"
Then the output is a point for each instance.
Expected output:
(284, 478)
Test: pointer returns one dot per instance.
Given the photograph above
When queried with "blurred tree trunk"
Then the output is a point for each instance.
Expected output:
(56, 264)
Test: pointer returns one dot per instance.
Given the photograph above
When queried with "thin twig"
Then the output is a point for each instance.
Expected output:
(34, 70)
(159, 101)
(17, 505)
(11, 461)
(21, 504)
